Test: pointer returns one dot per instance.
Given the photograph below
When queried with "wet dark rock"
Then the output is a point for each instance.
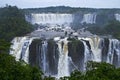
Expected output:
(76, 52)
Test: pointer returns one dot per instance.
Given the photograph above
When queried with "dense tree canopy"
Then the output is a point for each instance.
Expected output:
(96, 71)
(12, 23)
(112, 28)
(4, 46)
(13, 70)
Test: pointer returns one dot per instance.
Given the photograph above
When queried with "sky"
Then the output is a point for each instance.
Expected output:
(72, 3)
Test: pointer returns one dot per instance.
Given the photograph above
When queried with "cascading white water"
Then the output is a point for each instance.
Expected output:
(117, 16)
(114, 48)
(89, 18)
(63, 64)
(95, 43)
(51, 18)
(20, 48)
(16, 47)
(92, 52)
(110, 51)
(43, 56)
(95, 48)
(25, 55)
(87, 54)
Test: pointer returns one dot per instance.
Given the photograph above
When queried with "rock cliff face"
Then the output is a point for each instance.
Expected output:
(34, 51)
(76, 47)
(44, 54)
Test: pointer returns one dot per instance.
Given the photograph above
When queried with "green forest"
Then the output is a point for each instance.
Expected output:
(12, 23)
(112, 28)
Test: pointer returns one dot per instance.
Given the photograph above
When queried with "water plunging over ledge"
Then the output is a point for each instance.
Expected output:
(60, 56)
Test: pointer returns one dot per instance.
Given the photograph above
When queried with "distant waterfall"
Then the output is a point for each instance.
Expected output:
(117, 16)
(59, 57)
(89, 18)
(71, 19)
(51, 18)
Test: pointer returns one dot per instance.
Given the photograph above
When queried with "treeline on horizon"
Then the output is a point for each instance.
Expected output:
(12, 24)
(67, 9)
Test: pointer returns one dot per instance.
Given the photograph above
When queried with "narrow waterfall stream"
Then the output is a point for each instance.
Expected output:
(63, 64)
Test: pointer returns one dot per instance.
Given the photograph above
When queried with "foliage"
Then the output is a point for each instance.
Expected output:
(100, 71)
(76, 75)
(96, 30)
(49, 78)
(112, 28)
(13, 70)
(4, 46)
(67, 9)
(72, 39)
(59, 9)
(96, 71)
(13, 23)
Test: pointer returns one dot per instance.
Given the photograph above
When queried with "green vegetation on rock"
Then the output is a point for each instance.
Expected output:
(112, 28)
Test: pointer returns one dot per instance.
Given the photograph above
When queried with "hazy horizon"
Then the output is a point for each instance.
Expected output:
(73, 3)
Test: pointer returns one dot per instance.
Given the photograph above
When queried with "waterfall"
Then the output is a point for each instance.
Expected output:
(51, 18)
(95, 48)
(63, 64)
(20, 48)
(25, 50)
(117, 17)
(44, 56)
(114, 49)
(16, 47)
(110, 51)
(87, 54)
(89, 18)
(59, 57)
(19, 45)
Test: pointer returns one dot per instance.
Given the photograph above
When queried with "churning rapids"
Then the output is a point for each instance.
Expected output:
(60, 56)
